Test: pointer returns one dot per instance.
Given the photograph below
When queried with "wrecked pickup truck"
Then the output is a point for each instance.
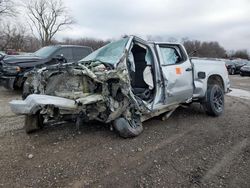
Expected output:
(123, 83)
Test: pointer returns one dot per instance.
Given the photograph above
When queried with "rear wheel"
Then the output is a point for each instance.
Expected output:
(27, 90)
(33, 123)
(242, 74)
(128, 128)
(214, 102)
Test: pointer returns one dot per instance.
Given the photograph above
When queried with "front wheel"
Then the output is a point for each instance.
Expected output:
(33, 123)
(128, 128)
(214, 102)
(233, 71)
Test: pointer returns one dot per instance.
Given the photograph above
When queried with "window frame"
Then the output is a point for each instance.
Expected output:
(179, 49)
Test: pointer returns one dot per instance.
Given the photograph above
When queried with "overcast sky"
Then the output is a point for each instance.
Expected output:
(226, 21)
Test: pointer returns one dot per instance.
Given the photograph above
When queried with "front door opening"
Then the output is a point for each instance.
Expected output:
(141, 73)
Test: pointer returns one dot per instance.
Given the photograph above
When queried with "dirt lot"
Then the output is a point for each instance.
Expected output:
(240, 82)
(190, 149)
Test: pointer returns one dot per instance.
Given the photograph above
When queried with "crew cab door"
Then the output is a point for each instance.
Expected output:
(177, 73)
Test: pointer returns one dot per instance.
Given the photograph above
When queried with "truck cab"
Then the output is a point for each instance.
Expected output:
(173, 75)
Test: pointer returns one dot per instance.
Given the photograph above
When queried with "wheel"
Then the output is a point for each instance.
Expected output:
(242, 74)
(128, 128)
(214, 102)
(33, 123)
(26, 92)
(233, 71)
(26, 88)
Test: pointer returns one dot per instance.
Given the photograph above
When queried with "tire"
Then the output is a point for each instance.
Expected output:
(26, 89)
(232, 71)
(214, 101)
(26, 92)
(126, 128)
(242, 74)
(33, 123)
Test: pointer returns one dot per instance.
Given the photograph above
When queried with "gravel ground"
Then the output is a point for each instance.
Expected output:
(190, 149)
(240, 82)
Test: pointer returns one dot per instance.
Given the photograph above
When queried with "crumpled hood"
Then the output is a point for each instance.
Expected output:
(20, 59)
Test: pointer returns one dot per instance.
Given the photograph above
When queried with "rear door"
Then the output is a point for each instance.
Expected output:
(177, 73)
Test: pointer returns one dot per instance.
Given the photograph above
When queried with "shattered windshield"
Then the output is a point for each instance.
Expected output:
(111, 53)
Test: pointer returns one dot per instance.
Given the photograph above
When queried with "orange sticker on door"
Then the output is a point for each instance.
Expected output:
(178, 70)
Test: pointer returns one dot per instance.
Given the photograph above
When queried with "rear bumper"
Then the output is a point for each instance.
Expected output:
(7, 81)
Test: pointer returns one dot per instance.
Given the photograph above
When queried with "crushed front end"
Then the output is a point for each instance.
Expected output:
(90, 91)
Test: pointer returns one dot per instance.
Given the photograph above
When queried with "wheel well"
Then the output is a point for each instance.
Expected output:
(215, 79)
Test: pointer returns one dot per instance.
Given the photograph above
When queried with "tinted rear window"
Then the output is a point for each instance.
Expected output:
(80, 53)
(65, 52)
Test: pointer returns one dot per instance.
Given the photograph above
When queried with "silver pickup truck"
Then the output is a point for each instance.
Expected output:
(123, 83)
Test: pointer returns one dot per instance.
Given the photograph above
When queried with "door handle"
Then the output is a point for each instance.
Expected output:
(189, 69)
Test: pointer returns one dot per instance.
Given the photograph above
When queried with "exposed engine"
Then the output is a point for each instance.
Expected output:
(100, 92)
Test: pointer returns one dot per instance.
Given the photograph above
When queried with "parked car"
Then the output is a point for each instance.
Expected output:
(123, 83)
(245, 70)
(2, 54)
(238, 64)
(231, 68)
(14, 68)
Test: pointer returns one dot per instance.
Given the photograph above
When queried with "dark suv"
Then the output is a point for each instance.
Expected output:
(234, 66)
(14, 68)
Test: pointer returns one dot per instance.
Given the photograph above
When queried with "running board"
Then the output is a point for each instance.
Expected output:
(158, 112)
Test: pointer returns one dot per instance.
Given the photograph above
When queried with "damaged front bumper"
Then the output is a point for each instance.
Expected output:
(34, 103)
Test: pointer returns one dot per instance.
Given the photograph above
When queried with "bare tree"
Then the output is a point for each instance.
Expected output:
(7, 8)
(31, 44)
(48, 17)
(243, 54)
(205, 49)
(91, 42)
(12, 36)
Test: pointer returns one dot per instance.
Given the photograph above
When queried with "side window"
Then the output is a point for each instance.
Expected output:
(80, 53)
(66, 52)
(170, 56)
